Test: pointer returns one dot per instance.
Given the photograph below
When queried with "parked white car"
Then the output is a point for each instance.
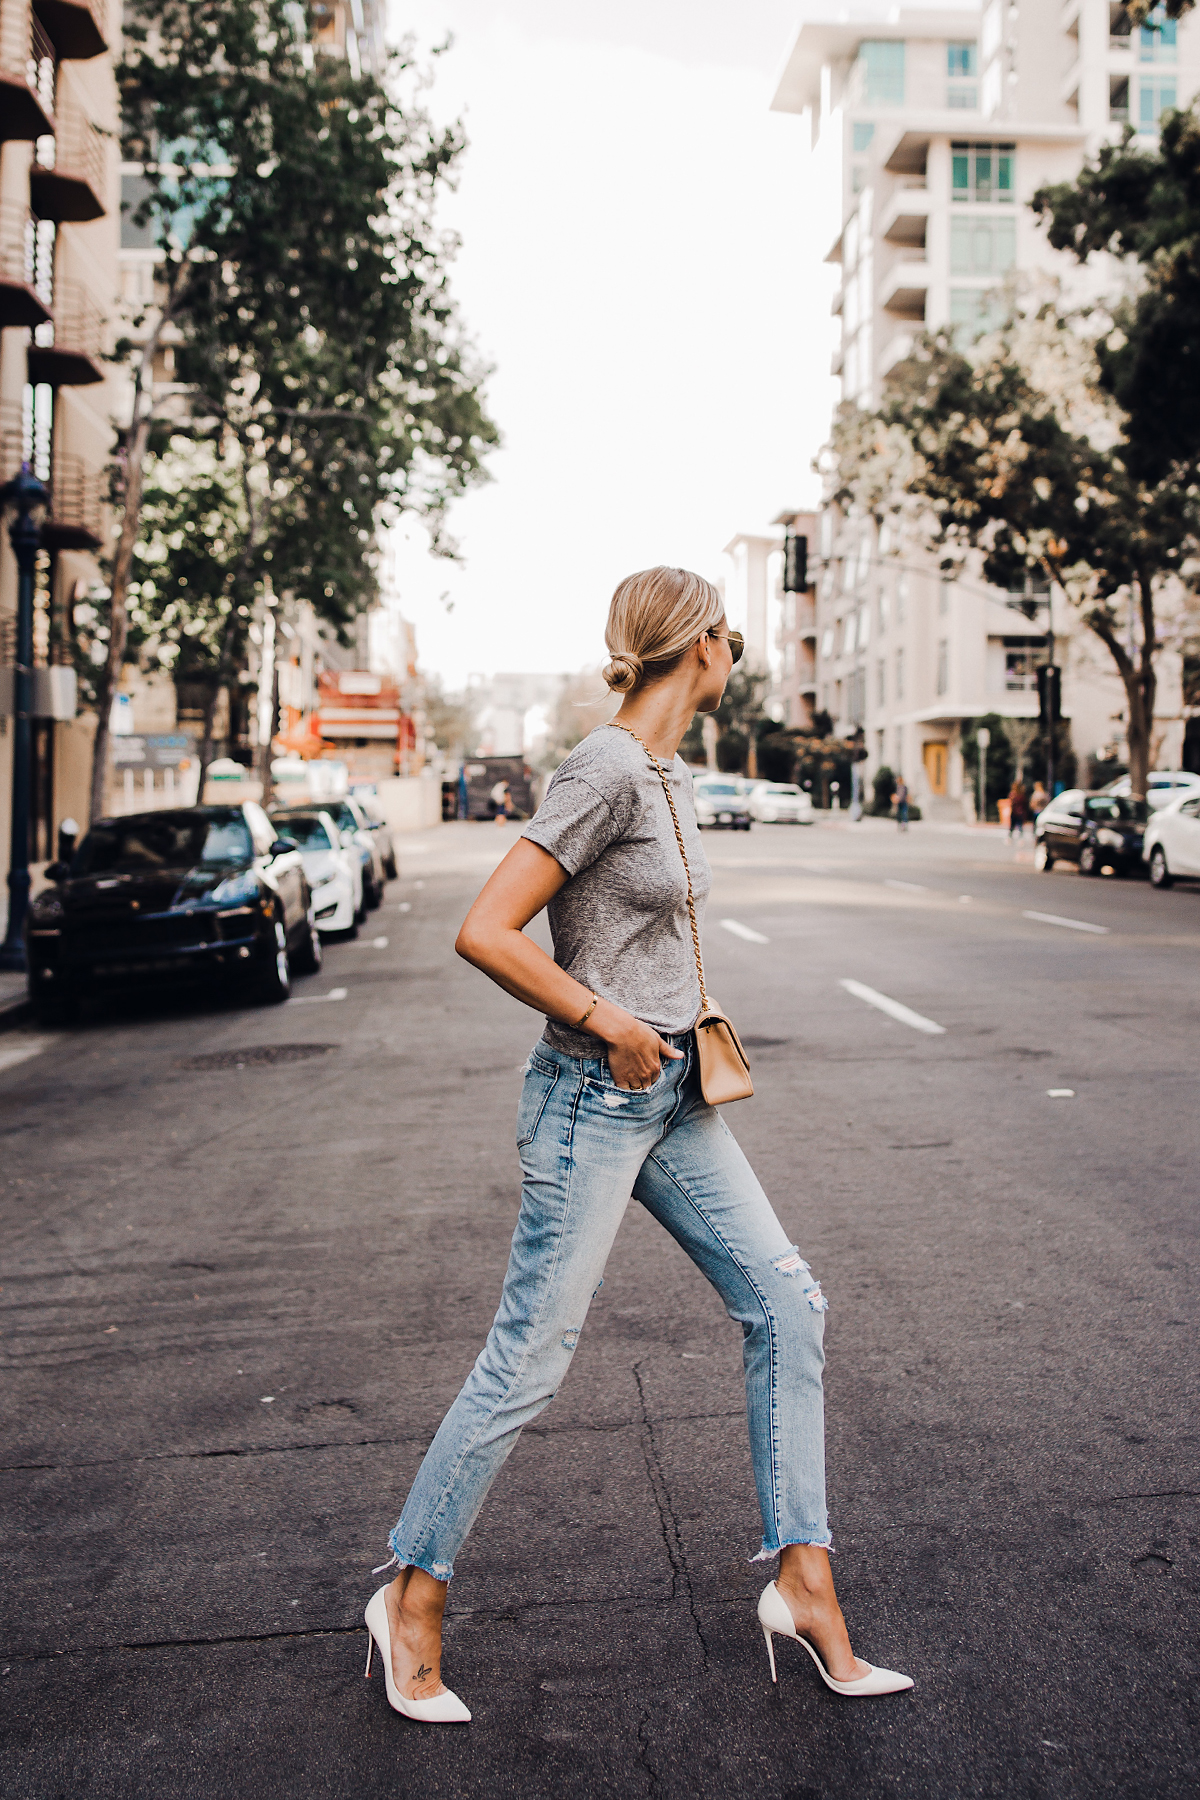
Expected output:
(780, 803)
(1162, 786)
(333, 863)
(1171, 844)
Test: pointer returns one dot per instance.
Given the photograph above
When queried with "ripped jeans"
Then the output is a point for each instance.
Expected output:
(585, 1146)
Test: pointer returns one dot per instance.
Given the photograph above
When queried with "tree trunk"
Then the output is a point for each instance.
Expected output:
(118, 618)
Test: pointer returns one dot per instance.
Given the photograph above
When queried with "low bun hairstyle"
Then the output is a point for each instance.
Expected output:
(654, 617)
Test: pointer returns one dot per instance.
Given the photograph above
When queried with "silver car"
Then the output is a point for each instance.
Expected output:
(721, 803)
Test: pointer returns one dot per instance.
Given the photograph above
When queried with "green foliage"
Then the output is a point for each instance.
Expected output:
(692, 748)
(741, 703)
(306, 283)
(1144, 205)
(777, 756)
(1000, 762)
(733, 748)
(885, 787)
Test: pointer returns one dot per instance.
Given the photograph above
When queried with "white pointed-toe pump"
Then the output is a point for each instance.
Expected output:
(775, 1616)
(442, 1709)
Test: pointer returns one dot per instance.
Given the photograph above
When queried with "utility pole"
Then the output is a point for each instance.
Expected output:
(26, 499)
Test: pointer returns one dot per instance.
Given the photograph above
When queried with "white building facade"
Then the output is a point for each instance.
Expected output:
(940, 127)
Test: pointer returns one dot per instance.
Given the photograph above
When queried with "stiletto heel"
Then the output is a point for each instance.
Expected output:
(770, 1653)
(441, 1709)
(370, 1651)
(775, 1615)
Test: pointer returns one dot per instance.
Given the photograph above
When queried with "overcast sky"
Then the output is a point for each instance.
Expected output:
(641, 263)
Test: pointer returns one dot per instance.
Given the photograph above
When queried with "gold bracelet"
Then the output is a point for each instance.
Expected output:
(580, 1023)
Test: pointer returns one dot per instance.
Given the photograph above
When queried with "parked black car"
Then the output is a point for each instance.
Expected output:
(1097, 831)
(197, 893)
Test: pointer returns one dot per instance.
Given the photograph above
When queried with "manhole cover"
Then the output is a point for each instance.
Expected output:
(255, 1053)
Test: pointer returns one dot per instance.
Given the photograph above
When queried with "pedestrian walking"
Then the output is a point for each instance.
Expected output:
(464, 794)
(613, 1106)
(1018, 809)
(901, 798)
(1038, 800)
(501, 802)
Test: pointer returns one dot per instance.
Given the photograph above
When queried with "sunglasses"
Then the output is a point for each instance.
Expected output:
(734, 639)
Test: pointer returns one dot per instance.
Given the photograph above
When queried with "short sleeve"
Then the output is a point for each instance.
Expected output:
(575, 823)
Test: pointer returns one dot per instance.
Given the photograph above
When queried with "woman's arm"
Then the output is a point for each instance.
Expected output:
(493, 938)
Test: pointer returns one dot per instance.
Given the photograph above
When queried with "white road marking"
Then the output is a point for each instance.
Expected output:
(893, 1008)
(1060, 1093)
(379, 943)
(1071, 924)
(21, 1051)
(316, 999)
(964, 899)
(744, 932)
(404, 906)
(911, 887)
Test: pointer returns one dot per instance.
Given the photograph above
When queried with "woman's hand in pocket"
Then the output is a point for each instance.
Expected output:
(636, 1053)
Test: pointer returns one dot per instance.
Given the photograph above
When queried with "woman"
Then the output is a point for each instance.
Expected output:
(1018, 809)
(612, 1106)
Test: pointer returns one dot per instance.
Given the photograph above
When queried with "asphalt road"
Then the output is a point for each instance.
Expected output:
(238, 1297)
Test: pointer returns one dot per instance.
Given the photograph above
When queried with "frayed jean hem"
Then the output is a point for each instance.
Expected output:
(440, 1571)
(768, 1550)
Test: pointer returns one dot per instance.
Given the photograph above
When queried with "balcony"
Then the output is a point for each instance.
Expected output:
(76, 28)
(27, 63)
(68, 179)
(76, 500)
(904, 289)
(22, 300)
(67, 352)
(906, 216)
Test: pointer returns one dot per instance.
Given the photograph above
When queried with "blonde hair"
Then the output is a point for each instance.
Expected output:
(654, 617)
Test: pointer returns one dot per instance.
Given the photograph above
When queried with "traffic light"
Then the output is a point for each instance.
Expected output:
(1049, 679)
(795, 565)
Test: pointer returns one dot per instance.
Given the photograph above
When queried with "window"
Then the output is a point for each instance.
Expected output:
(827, 641)
(880, 689)
(1118, 99)
(976, 310)
(864, 625)
(899, 674)
(882, 62)
(1154, 99)
(901, 598)
(943, 598)
(982, 172)
(1020, 665)
(882, 612)
(848, 633)
(982, 246)
(943, 665)
(863, 133)
(961, 69)
(1158, 39)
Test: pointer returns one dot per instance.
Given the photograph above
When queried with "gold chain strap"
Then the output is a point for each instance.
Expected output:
(691, 900)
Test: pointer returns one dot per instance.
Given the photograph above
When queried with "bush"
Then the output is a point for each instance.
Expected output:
(732, 750)
(885, 787)
(777, 757)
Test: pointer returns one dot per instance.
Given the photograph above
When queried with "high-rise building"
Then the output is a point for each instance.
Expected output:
(938, 127)
(58, 283)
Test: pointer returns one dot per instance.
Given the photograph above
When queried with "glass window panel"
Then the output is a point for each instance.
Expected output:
(863, 133)
(883, 72)
(1004, 241)
(960, 59)
(960, 174)
(1004, 175)
(960, 246)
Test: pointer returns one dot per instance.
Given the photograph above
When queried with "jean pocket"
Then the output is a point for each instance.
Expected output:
(540, 1078)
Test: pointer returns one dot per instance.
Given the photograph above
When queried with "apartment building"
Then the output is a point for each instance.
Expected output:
(58, 274)
(939, 127)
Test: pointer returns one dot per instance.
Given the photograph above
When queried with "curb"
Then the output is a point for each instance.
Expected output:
(15, 1011)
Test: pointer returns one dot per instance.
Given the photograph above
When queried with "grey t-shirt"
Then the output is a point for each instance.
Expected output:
(620, 924)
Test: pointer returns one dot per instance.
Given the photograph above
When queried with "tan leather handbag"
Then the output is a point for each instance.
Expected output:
(724, 1065)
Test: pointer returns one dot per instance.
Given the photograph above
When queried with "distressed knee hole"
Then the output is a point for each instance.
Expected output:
(793, 1264)
(570, 1338)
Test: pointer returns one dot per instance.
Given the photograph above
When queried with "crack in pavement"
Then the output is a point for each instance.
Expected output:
(672, 1535)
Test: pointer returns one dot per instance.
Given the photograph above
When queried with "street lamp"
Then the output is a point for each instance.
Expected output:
(24, 501)
(983, 738)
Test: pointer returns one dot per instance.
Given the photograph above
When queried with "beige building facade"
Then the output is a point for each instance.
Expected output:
(937, 128)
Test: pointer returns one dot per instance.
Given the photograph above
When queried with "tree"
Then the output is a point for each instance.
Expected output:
(1021, 455)
(305, 282)
(1144, 207)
